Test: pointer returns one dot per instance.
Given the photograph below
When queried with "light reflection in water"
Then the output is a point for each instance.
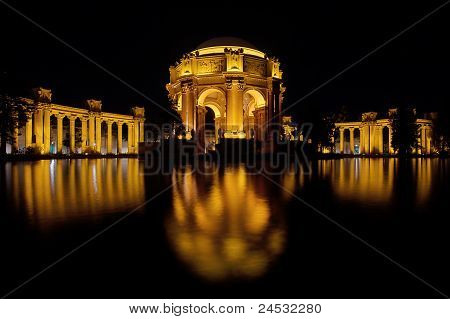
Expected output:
(371, 181)
(222, 225)
(70, 188)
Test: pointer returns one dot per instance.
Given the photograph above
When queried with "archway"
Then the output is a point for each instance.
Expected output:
(78, 139)
(214, 100)
(114, 131)
(254, 126)
(104, 133)
(54, 134)
(66, 135)
(357, 139)
(125, 148)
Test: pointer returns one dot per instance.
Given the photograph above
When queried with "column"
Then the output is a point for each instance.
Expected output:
(391, 149)
(423, 140)
(136, 135)
(141, 131)
(235, 109)
(341, 140)
(47, 127)
(362, 146)
(38, 127)
(119, 137)
(130, 138)
(72, 134)
(380, 140)
(83, 134)
(98, 134)
(109, 138)
(201, 112)
(428, 140)
(216, 128)
(352, 140)
(59, 132)
(92, 132)
(187, 107)
(29, 131)
(373, 141)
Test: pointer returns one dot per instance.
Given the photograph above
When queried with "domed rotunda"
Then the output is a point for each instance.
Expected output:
(240, 84)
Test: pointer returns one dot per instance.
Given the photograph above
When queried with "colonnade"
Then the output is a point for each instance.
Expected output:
(371, 140)
(37, 130)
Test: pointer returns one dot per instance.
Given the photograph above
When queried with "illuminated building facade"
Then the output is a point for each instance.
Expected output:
(38, 132)
(372, 136)
(239, 83)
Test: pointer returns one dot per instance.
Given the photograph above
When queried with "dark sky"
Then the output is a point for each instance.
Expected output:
(138, 41)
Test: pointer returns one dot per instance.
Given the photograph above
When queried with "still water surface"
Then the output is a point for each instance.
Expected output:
(226, 234)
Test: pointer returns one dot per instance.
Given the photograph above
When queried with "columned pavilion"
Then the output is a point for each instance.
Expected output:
(38, 133)
(237, 82)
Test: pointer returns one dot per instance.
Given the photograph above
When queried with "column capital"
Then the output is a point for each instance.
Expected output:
(235, 82)
(351, 129)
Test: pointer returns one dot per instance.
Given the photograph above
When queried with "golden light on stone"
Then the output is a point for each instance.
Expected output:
(226, 231)
(372, 139)
(38, 131)
(239, 83)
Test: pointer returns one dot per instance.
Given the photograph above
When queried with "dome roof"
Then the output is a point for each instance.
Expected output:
(226, 41)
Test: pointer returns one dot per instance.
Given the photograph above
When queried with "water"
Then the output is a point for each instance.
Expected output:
(230, 233)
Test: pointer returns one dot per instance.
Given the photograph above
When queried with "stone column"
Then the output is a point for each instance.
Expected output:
(38, 127)
(380, 140)
(428, 140)
(91, 131)
(362, 146)
(83, 134)
(29, 131)
(423, 140)
(201, 112)
(391, 149)
(109, 138)
(341, 140)
(119, 137)
(235, 109)
(98, 134)
(352, 140)
(59, 132)
(141, 131)
(72, 134)
(130, 138)
(187, 107)
(47, 130)
(136, 135)
(217, 121)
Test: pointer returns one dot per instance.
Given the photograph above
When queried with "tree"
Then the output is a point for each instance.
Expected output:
(405, 130)
(322, 132)
(13, 115)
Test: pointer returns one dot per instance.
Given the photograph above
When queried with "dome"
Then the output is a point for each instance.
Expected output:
(226, 41)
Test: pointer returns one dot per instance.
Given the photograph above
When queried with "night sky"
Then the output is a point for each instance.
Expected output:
(137, 41)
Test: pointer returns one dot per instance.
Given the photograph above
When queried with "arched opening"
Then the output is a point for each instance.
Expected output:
(357, 137)
(125, 138)
(253, 100)
(347, 141)
(66, 135)
(78, 139)
(53, 134)
(214, 100)
(114, 130)
(210, 129)
(104, 134)
(385, 140)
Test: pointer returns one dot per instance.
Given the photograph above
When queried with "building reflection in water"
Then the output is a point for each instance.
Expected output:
(223, 227)
(56, 189)
(371, 181)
